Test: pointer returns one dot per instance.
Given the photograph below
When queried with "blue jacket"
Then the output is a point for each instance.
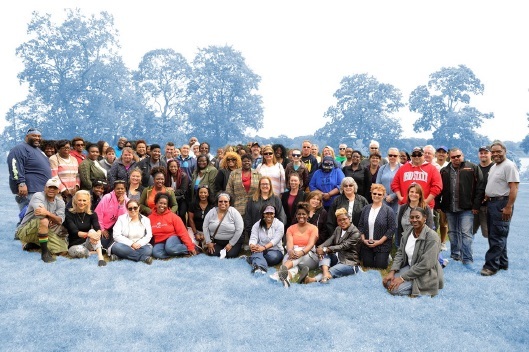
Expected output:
(326, 182)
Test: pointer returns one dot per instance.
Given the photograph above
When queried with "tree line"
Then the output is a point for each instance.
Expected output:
(78, 84)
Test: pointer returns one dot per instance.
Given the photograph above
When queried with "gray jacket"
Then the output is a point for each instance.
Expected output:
(425, 271)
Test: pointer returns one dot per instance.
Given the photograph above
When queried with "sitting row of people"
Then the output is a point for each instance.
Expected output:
(162, 234)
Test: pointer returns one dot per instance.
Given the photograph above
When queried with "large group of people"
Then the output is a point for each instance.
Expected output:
(289, 208)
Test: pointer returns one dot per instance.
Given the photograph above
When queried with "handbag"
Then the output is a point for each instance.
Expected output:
(215, 233)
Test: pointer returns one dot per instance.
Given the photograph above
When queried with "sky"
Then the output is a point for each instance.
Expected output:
(302, 49)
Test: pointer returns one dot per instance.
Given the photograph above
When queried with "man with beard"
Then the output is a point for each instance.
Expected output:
(29, 168)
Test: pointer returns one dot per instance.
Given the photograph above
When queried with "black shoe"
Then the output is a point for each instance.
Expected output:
(254, 268)
(30, 247)
(47, 257)
(503, 267)
(303, 274)
(148, 260)
(101, 263)
(487, 272)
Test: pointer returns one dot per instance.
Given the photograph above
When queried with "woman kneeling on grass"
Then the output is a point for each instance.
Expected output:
(342, 248)
(170, 235)
(266, 241)
(416, 270)
(301, 238)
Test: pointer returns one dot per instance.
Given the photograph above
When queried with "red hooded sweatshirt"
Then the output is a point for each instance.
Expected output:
(169, 224)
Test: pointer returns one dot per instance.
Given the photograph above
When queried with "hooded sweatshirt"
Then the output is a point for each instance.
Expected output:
(169, 224)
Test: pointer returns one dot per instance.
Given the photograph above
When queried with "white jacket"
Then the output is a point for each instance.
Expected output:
(121, 231)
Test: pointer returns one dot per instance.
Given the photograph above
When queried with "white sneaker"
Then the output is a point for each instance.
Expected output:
(443, 247)
(222, 253)
(274, 276)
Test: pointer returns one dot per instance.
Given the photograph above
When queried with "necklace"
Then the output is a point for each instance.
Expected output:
(67, 161)
(82, 219)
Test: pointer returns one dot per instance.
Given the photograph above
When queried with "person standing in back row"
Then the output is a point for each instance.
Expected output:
(29, 168)
(485, 163)
(501, 192)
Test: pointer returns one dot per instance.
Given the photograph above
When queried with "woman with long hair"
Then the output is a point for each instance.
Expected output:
(230, 162)
(274, 170)
(111, 206)
(177, 179)
(198, 210)
(317, 215)
(204, 174)
(415, 199)
(292, 197)
(135, 188)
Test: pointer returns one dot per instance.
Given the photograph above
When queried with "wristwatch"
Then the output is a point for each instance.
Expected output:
(325, 249)
(22, 184)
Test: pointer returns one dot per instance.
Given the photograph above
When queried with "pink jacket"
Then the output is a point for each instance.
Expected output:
(108, 210)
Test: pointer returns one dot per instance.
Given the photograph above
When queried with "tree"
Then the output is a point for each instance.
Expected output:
(364, 111)
(223, 103)
(73, 70)
(525, 143)
(162, 78)
(445, 110)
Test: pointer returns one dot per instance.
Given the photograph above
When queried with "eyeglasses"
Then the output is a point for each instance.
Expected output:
(265, 184)
(392, 155)
(65, 147)
(224, 201)
(415, 155)
(231, 159)
(455, 156)
(296, 155)
(133, 208)
(269, 153)
(377, 194)
(347, 186)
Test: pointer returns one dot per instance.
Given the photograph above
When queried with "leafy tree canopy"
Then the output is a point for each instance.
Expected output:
(365, 110)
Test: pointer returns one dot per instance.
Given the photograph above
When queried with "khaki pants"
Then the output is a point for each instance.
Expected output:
(28, 233)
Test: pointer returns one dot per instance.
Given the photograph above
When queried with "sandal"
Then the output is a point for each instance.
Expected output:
(325, 280)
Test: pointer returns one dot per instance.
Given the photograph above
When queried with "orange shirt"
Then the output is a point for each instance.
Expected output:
(301, 239)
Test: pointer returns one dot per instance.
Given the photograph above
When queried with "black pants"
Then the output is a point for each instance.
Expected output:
(234, 251)
(372, 259)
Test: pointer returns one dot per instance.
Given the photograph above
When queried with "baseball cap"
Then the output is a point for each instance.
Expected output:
(442, 148)
(53, 182)
(484, 148)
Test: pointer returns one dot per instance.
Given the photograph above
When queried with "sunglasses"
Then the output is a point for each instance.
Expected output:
(377, 194)
(392, 155)
(133, 208)
(415, 155)
(348, 186)
(269, 153)
(231, 159)
(342, 148)
(455, 156)
(296, 155)
(79, 144)
(224, 201)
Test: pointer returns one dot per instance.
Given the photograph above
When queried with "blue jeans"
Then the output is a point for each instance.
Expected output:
(267, 258)
(460, 226)
(496, 257)
(404, 288)
(170, 248)
(126, 252)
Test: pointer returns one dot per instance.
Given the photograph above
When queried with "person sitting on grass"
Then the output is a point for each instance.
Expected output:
(84, 232)
(42, 222)
(342, 249)
(132, 235)
(169, 232)
(415, 270)
(301, 238)
(266, 241)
